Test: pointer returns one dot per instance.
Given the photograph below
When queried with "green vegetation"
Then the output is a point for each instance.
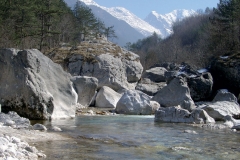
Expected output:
(43, 24)
(196, 40)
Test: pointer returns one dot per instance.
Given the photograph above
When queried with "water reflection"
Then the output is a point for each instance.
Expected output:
(138, 137)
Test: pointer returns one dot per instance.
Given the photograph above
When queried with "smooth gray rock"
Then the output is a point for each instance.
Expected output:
(133, 67)
(224, 95)
(107, 98)
(174, 94)
(134, 102)
(40, 127)
(179, 115)
(173, 114)
(121, 71)
(156, 74)
(149, 87)
(200, 86)
(35, 87)
(85, 88)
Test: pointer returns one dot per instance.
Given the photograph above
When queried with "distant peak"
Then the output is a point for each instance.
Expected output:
(88, 2)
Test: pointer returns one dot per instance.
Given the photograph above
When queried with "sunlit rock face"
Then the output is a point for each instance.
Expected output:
(35, 87)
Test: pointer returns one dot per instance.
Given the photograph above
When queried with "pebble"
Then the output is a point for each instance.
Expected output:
(40, 127)
(56, 129)
(190, 131)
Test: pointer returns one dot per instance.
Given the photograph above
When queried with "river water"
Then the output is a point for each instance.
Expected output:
(138, 137)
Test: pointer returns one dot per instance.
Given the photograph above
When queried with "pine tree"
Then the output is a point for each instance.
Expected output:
(110, 32)
(225, 32)
(86, 22)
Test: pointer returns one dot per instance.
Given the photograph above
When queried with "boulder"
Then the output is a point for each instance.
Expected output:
(200, 86)
(179, 115)
(85, 88)
(134, 102)
(35, 87)
(149, 87)
(118, 71)
(107, 98)
(224, 95)
(156, 74)
(201, 116)
(224, 104)
(218, 110)
(174, 94)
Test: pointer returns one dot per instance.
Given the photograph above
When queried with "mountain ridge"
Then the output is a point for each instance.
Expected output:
(166, 21)
(130, 28)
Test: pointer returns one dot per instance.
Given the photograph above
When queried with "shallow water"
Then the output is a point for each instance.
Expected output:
(138, 137)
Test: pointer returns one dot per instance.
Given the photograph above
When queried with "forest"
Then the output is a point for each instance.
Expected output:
(196, 40)
(44, 24)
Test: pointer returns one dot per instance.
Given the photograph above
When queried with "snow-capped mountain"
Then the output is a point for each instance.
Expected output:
(165, 22)
(128, 27)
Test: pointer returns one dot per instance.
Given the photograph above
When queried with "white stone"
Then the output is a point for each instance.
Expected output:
(39, 127)
(134, 102)
(218, 110)
(107, 98)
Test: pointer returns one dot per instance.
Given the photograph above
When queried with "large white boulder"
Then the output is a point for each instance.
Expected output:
(35, 87)
(85, 88)
(218, 110)
(107, 98)
(134, 102)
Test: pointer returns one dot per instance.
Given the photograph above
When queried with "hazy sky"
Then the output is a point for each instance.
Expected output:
(142, 8)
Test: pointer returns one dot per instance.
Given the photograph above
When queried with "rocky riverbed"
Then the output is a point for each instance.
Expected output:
(18, 138)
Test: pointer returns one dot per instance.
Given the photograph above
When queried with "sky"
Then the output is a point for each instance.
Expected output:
(142, 8)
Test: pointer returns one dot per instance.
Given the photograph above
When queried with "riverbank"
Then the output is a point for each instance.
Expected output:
(18, 139)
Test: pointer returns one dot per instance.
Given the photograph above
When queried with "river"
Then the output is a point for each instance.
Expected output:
(138, 137)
